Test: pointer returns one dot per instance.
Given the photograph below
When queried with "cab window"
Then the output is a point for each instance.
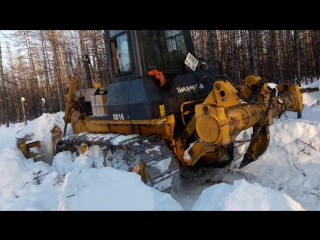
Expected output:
(165, 48)
(119, 45)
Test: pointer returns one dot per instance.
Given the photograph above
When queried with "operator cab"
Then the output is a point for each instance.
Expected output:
(133, 53)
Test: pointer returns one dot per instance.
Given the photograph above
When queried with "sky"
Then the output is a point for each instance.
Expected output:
(285, 178)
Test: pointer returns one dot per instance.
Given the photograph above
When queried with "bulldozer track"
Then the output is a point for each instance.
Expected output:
(124, 155)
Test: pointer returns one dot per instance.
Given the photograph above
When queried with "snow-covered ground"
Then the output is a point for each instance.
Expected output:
(285, 177)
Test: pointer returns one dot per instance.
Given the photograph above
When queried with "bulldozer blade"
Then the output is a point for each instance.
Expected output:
(56, 134)
(258, 145)
(26, 143)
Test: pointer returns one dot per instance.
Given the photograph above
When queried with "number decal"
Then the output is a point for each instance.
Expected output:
(118, 116)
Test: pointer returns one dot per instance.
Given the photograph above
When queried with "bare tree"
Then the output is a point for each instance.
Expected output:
(234, 56)
(46, 74)
(5, 98)
(34, 84)
(56, 67)
(15, 107)
(65, 75)
(279, 60)
(253, 63)
(297, 57)
(70, 65)
(213, 50)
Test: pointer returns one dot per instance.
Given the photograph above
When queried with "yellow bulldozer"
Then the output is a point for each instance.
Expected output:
(175, 111)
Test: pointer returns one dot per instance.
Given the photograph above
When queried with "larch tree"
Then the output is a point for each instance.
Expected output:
(5, 97)
(253, 64)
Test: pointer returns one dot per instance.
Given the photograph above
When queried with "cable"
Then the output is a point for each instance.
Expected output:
(213, 81)
(200, 81)
(224, 77)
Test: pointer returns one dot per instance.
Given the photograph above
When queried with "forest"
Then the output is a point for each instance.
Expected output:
(36, 65)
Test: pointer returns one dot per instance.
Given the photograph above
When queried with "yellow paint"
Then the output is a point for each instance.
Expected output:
(226, 94)
(162, 111)
(96, 85)
(218, 123)
(25, 148)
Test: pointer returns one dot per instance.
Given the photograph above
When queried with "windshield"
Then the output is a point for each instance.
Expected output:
(165, 48)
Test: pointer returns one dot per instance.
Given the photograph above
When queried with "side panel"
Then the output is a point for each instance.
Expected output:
(143, 94)
(118, 99)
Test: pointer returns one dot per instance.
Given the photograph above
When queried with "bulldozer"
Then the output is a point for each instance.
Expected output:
(175, 112)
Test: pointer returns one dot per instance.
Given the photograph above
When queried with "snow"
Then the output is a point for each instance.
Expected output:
(163, 165)
(186, 155)
(122, 138)
(111, 189)
(316, 83)
(285, 177)
(239, 197)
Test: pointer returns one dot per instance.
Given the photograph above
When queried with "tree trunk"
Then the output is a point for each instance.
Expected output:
(15, 106)
(272, 55)
(24, 112)
(297, 62)
(213, 50)
(35, 84)
(279, 60)
(253, 63)
(94, 55)
(69, 55)
(5, 98)
(297, 57)
(234, 58)
(65, 75)
(221, 50)
(105, 72)
(80, 56)
(46, 75)
(56, 68)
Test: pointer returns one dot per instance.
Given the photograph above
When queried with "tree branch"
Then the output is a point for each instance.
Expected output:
(307, 144)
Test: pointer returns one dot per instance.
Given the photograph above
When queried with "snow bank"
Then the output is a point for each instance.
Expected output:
(28, 186)
(243, 196)
(112, 190)
(41, 127)
(316, 83)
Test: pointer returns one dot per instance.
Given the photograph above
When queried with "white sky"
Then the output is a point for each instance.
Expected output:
(286, 177)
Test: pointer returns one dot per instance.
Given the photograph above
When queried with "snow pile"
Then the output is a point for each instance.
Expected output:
(38, 186)
(316, 83)
(111, 189)
(243, 196)
(311, 99)
(40, 129)
(28, 185)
